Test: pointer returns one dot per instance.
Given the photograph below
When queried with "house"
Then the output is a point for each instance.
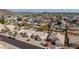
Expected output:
(41, 35)
(56, 38)
(28, 32)
(73, 39)
(61, 38)
(1, 26)
(11, 28)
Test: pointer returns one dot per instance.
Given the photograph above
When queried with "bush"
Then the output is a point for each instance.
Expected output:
(76, 46)
(2, 21)
(19, 19)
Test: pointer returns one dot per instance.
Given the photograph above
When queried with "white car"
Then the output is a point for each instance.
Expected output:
(10, 36)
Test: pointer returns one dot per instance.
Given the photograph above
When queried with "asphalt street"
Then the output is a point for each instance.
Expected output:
(19, 44)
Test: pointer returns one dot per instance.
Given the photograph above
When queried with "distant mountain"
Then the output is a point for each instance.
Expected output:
(47, 10)
(4, 11)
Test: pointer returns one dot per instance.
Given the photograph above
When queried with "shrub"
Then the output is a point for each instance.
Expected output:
(76, 46)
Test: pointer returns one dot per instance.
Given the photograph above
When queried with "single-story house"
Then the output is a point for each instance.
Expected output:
(11, 28)
(56, 38)
(1, 26)
(29, 32)
(42, 35)
(73, 39)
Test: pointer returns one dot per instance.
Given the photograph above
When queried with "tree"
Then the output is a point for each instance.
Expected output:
(15, 33)
(58, 17)
(2, 21)
(44, 27)
(19, 19)
(5, 30)
(74, 21)
(59, 22)
(76, 46)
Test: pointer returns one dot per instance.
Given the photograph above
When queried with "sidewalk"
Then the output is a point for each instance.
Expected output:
(33, 42)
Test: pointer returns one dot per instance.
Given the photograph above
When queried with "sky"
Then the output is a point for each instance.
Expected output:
(45, 10)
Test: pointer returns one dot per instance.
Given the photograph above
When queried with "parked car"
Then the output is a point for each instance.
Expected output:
(10, 35)
(24, 35)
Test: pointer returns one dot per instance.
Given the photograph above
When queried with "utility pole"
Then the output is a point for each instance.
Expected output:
(66, 43)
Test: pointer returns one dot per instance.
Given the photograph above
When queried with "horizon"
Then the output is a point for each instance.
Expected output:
(45, 10)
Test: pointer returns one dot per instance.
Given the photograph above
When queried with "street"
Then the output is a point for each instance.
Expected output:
(19, 44)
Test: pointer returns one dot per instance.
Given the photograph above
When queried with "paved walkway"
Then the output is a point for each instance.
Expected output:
(2, 46)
